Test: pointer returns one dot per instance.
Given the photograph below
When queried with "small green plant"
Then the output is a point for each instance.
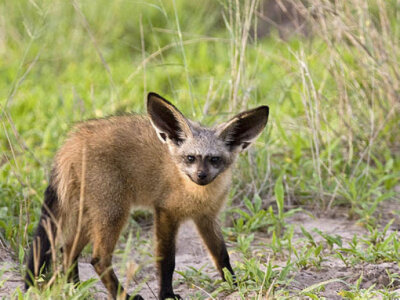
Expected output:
(257, 218)
(2, 281)
(84, 290)
(314, 291)
(311, 253)
(256, 277)
(196, 277)
(364, 193)
(330, 239)
(253, 220)
(244, 243)
(355, 292)
(308, 256)
(278, 220)
(376, 247)
(280, 244)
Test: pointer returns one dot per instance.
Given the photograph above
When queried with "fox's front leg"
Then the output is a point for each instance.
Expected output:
(166, 228)
(211, 233)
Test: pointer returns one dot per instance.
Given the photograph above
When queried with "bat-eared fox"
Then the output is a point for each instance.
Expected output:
(162, 161)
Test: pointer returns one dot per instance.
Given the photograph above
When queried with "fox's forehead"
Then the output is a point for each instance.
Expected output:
(204, 142)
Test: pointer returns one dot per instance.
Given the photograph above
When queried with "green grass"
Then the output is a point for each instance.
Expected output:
(332, 138)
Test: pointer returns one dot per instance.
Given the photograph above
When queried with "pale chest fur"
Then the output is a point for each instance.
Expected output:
(189, 200)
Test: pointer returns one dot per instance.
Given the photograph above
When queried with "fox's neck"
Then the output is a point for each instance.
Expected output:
(187, 199)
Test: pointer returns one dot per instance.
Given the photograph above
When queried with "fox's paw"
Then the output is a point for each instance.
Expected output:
(171, 296)
(136, 297)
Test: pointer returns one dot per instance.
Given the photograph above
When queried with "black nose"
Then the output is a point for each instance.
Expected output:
(201, 174)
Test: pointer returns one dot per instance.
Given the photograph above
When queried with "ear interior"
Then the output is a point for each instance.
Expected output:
(167, 119)
(244, 128)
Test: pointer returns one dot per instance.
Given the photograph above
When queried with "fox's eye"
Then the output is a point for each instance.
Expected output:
(190, 158)
(215, 159)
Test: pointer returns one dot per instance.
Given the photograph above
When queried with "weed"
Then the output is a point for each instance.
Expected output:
(374, 248)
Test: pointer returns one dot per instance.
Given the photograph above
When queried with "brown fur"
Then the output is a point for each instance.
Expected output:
(107, 166)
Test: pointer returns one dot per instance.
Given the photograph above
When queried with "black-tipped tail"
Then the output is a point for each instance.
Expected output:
(40, 256)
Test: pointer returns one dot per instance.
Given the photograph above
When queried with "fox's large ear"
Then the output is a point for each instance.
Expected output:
(167, 120)
(243, 129)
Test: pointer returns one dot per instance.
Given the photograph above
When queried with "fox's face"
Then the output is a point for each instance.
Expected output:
(203, 153)
(202, 156)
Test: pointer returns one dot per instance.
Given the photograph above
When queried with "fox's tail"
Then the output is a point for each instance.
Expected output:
(40, 256)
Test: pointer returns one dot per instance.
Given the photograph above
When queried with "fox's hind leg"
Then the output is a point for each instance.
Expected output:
(105, 235)
(71, 252)
(211, 233)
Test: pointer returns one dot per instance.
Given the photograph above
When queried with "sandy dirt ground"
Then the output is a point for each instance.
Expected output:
(190, 252)
(334, 268)
(10, 278)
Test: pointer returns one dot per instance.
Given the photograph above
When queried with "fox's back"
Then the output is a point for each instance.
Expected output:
(123, 159)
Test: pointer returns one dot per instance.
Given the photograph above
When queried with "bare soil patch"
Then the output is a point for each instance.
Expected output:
(334, 268)
(10, 277)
